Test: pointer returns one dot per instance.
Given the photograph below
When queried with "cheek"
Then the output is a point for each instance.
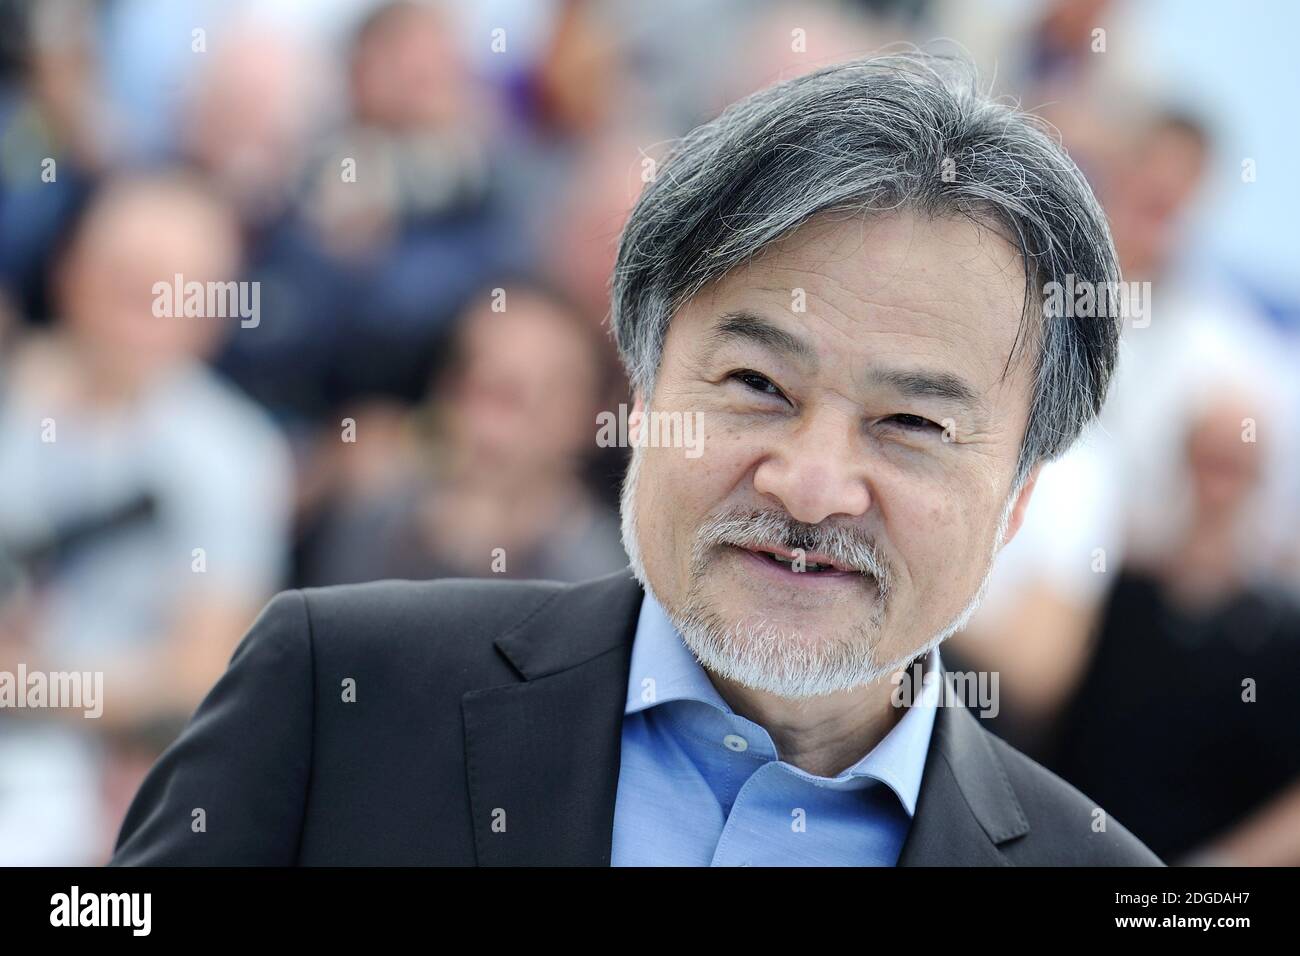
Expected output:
(722, 475)
(665, 510)
(935, 537)
(679, 489)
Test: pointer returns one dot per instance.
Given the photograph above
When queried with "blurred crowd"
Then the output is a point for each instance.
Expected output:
(427, 197)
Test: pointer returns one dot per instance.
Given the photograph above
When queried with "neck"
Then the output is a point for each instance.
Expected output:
(819, 735)
(1206, 567)
(106, 378)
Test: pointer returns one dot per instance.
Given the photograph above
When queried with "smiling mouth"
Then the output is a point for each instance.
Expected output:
(796, 567)
(810, 567)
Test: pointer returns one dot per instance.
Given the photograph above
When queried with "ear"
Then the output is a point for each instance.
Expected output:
(1017, 517)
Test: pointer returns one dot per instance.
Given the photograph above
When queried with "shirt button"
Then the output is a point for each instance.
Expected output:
(733, 742)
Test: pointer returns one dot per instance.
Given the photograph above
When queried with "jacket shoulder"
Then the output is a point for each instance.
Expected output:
(491, 600)
(1066, 827)
(452, 609)
(412, 637)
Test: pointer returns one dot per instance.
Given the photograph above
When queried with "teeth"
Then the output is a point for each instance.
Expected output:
(808, 566)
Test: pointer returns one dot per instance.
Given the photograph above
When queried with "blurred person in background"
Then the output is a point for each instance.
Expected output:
(585, 219)
(406, 193)
(560, 101)
(1199, 326)
(56, 137)
(247, 126)
(587, 213)
(788, 38)
(1184, 724)
(498, 486)
(144, 500)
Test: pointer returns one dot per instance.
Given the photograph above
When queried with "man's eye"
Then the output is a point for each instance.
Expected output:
(757, 382)
(912, 422)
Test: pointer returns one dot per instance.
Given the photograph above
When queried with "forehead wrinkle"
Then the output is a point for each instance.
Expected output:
(922, 304)
(979, 251)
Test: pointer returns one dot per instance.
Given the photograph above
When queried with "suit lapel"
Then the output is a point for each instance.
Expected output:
(542, 755)
(966, 806)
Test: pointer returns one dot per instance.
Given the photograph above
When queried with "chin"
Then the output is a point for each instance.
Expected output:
(768, 645)
(794, 628)
(765, 655)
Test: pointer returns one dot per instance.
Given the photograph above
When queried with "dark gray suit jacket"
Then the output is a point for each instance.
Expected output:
(477, 697)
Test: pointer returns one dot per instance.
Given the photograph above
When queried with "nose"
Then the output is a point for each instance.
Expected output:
(818, 471)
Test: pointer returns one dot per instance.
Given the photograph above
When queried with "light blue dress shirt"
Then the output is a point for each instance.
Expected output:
(699, 785)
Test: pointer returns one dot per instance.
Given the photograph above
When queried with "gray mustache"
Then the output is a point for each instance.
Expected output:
(756, 529)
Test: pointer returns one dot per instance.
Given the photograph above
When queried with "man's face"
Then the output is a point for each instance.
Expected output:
(1154, 187)
(139, 237)
(850, 384)
(526, 389)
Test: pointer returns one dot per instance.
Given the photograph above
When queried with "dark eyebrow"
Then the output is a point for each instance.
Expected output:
(922, 384)
(754, 328)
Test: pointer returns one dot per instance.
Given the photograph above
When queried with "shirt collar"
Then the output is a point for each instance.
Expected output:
(664, 669)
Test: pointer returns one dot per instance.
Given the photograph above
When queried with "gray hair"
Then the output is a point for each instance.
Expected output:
(877, 134)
